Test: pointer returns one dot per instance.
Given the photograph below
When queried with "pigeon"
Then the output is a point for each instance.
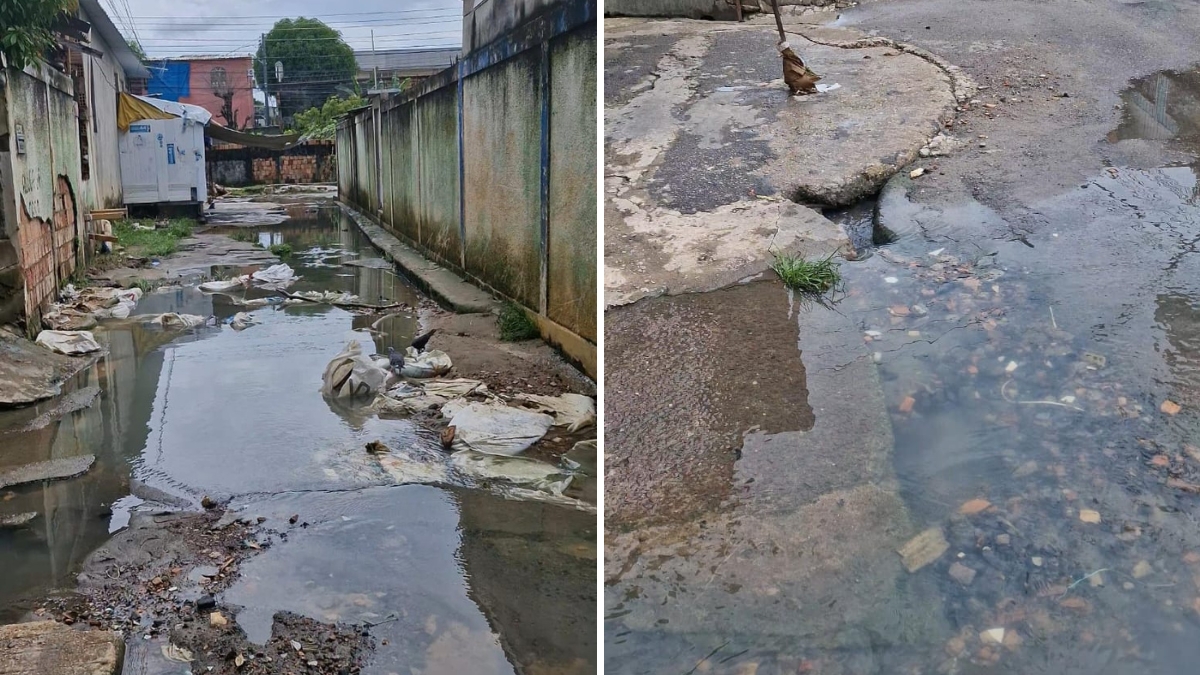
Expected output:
(421, 340)
(396, 359)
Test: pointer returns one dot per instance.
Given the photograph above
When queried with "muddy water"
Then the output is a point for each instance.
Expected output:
(238, 414)
(1040, 376)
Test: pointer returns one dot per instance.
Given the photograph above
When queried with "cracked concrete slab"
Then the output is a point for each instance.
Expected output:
(51, 648)
(699, 128)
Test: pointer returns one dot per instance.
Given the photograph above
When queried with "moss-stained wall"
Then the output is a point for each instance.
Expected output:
(521, 220)
(571, 282)
(502, 176)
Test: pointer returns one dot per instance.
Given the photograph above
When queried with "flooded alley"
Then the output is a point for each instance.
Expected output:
(450, 571)
(979, 452)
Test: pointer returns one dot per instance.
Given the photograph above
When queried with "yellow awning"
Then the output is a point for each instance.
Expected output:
(131, 109)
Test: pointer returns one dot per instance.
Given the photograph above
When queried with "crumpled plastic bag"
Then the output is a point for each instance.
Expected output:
(70, 342)
(241, 321)
(227, 285)
(421, 365)
(415, 466)
(275, 274)
(327, 297)
(493, 427)
(516, 470)
(172, 320)
(407, 397)
(352, 374)
(114, 303)
(574, 411)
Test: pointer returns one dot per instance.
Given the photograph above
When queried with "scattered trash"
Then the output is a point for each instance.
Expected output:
(993, 636)
(217, 620)
(326, 297)
(70, 342)
(17, 520)
(415, 466)
(495, 428)
(425, 364)
(516, 470)
(822, 88)
(574, 411)
(171, 320)
(241, 321)
(280, 274)
(227, 285)
(351, 374)
(177, 654)
(923, 549)
(1094, 359)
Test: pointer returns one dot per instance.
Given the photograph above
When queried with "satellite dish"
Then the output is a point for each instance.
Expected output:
(279, 71)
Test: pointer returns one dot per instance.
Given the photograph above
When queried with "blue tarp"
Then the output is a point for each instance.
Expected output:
(169, 80)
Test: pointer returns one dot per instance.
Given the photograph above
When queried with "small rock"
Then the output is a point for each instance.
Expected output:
(208, 503)
(1089, 516)
(1128, 585)
(955, 646)
(296, 645)
(217, 620)
(294, 518)
(974, 506)
(993, 636)
(907, 404)
(1003, 540)
(916, 173)
(1170, 407)
(205, 602)
(1142, 569)
(1027, 469)
(1076, 603)
(962, 574)
(1037, 561)
(923, 549)
(1012, 365)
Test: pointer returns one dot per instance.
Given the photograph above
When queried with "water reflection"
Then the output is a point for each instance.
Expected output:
(227, 413)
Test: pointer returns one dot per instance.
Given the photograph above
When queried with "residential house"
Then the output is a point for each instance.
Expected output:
(58, 156)
(391, 67)
(222, 85)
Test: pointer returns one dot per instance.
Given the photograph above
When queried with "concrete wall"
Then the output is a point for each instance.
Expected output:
(103, 78)
(523, 223)
(39, 171)
(486, 20)
(237, 166)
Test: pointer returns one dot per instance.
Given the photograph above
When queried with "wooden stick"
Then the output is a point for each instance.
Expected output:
(778, 20)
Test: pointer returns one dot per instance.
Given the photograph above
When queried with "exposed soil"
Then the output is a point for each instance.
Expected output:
(157, 578)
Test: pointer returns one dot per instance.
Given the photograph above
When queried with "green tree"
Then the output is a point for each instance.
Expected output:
(136, 47)
(26, 28)
(316, 63)
(322, 122)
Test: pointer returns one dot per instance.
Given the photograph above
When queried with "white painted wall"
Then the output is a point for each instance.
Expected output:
(104, 78)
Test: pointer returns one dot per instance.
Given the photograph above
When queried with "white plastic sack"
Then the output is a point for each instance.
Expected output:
(575, 411)
(516, 470)
(275, 274)
(241, 321)
(494, 428)
(227, 285)
(414, 467)
(425, 364)
(127, 299)
(69, 342)
(327, 297)
(350, 373)
(172, 320)
(409, 398)
(455, 388)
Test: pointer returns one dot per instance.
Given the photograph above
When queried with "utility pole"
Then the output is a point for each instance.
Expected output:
(374, 59)
(265, 80)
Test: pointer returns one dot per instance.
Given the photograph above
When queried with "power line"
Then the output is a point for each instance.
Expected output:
(276, 16)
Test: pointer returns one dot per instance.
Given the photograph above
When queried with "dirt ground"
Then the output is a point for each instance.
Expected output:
(156, 580)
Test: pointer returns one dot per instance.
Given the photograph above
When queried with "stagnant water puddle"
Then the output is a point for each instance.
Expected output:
(1039, 382)
(475, 582)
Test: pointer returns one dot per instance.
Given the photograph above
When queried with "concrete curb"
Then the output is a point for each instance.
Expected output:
(449, 289)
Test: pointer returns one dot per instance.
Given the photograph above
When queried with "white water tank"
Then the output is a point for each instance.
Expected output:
(162, 162)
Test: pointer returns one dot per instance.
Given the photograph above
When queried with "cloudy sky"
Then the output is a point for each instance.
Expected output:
(174, 28)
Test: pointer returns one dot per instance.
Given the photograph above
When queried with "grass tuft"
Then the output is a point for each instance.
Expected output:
(281, 250)
(244, 236)
(807, 276)
(515, 324)
(160, 242)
